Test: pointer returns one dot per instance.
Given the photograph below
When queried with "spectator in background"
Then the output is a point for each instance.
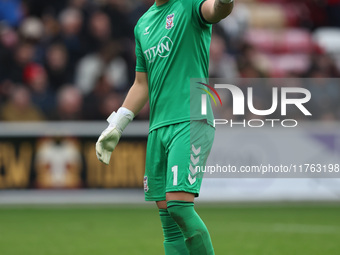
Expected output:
(20, 107)
(11, 12)
(72, 39)
(325, 91)
(38, 7)
(36, 78)
(322, 65)
(31, 30)
(6, 87)
(108, 62)
(8, 42)
(23, 55)
(71, 21)
(248, 70)
(221, 64)
(233, 28)
(251, 62)
(333, 12)
(94, 100)
(86, 7)
(111, 102)
(119, 13)
(141, 7)
(99, 31)
(117, 10)
(51, 28)
(69, 104)
(56, 64)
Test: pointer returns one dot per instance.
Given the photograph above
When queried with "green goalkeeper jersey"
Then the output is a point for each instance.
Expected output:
(172, 46)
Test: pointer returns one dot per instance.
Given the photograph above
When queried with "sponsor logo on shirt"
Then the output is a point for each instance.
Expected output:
(162, 49)
(147, 30)
(170, 21)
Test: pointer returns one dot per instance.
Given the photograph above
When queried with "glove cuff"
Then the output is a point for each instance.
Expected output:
(121, 118)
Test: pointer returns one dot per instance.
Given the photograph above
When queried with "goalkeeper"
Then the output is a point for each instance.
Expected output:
(172, 46)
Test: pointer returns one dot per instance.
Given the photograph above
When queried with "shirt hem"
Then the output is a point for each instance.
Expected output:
(167, 123)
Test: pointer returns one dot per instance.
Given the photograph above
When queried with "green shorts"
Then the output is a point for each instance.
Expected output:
(173, 153)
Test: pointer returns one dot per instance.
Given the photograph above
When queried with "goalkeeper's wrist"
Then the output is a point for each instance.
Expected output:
(121, 118)
(226, 1)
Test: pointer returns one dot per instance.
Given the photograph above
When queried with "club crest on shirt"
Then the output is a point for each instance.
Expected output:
(170, 21)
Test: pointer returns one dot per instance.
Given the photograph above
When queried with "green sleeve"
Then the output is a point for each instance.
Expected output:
(197, 14)
(140, 59)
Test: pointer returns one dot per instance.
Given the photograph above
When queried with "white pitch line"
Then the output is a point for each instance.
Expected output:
(306, 229)
(285, 228)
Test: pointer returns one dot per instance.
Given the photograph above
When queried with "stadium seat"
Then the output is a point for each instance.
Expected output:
(264, 15)
(287, 63)
(296, 40)
(280, 41)
(262, 39)
(328, 38)
(292, 14)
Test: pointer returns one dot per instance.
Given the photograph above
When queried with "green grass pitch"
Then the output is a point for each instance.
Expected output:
(105, 230)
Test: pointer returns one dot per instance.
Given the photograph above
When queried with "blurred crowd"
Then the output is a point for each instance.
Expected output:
(74, 59)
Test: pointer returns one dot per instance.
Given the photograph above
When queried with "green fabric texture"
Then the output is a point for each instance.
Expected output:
(173, 238)
(172, 46)
(197, 238)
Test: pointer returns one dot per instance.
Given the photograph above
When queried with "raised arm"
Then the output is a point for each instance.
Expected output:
(215, 10)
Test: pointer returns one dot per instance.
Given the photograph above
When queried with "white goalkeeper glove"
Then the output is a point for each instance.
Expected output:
(109, 138)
